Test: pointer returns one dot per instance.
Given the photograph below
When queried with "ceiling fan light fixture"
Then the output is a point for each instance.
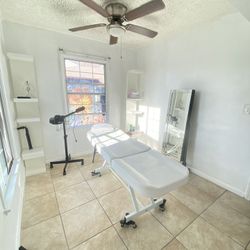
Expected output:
(116, 30)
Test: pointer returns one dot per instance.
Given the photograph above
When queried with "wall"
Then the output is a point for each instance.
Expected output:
(43, 45)
(213, 59)
(10, 223)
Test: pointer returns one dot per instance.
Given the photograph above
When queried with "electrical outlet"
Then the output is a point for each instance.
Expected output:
(246, 109)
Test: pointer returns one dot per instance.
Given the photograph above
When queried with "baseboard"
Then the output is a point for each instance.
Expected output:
(247, 194)
(218, 182)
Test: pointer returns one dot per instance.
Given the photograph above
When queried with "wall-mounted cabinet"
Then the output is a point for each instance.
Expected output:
(25, 98)
(134, 97)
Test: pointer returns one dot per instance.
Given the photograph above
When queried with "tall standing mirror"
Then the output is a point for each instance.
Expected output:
(177, 124)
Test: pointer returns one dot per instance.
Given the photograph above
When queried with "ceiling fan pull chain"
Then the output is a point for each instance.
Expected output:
(121, 47)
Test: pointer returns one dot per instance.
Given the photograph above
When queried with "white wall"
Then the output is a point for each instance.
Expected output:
(43, 45)
(213, 59)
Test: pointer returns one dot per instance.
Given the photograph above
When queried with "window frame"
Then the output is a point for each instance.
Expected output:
(88, 59)
(5, 170)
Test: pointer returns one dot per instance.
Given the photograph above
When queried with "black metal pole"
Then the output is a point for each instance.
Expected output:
(27, 134)
(65, 141)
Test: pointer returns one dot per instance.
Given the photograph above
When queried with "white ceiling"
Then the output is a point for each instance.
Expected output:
(60, 15)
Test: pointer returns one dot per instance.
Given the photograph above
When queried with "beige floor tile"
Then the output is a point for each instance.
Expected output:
(193, 198)
(86, 170)
(174, 245)
(58, 169)
(176, 216)
(229, 221)
(149, 234)
(83, 222)
(74, 196)
(39, 209)
(206, 186)
(88, 158)
(248, 246)
(107, 240)
(38, 185)
(201, 235)
(47, 235)
(63, 181)
(104, 184)
(236, 202)
(116, 204)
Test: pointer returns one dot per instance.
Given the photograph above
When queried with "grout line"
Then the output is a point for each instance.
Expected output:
(64, 231)
(39, 196)
(61, 217)
(106, 212)
(199, 215)
(120, 237)
(22, 229)
(91, 237)
(64, 212)
(248, 244)
(171, 242)
(224, 233)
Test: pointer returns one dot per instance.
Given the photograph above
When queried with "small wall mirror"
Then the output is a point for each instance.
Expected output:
(177, 124)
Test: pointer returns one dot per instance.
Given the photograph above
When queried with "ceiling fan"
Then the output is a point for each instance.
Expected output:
(116, 13)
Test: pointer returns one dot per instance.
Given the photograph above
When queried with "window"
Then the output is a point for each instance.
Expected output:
(6, 158)
(85, 86)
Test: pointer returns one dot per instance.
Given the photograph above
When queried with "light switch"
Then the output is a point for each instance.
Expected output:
(246, 109)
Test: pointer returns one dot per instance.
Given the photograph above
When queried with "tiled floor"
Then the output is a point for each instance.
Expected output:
(80, 212)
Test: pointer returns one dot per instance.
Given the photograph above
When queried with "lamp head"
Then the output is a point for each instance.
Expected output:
(116, 30)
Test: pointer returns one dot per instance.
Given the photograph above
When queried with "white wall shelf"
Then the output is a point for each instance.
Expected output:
(134, 99)
(33, 153)
(25, 100)
(28, 120)
(22, 69)
(134, 96)
(135, 112)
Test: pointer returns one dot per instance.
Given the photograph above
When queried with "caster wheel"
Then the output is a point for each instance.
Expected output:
(82, 163)
(64, 172)
(94, 173)
(123, 222)
(162, 206)
(134, 226)
(126, 223)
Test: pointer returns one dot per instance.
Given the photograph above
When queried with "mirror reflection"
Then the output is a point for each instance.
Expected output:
(177, 124)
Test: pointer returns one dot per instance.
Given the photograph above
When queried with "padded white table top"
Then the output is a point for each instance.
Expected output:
(99, 129)
(105, 139)
(150, 173)
(102, 126)
(122, 149)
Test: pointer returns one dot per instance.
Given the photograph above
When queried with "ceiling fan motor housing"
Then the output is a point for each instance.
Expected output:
(116, 10)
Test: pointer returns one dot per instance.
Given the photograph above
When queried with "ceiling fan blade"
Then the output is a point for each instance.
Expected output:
(145, 9)
(141, 30)
(113, 40)
(88, 27)
(92, 5)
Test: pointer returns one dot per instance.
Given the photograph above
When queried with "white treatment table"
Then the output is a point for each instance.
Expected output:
(102, 135)
(150, 174)
(143, 170)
